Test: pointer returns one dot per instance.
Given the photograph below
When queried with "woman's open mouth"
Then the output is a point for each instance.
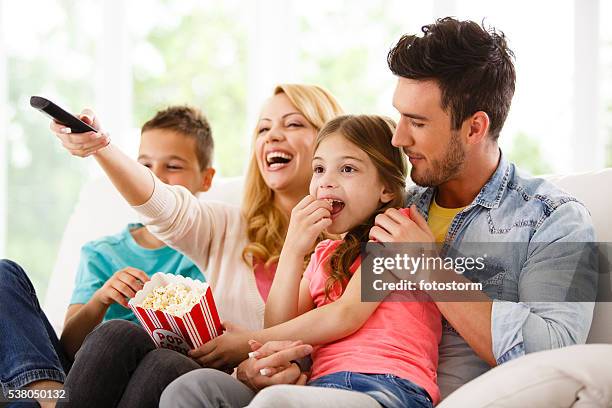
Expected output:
(277, 160)
(337, 206)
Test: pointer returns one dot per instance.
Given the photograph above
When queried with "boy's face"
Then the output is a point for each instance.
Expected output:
(172, 157)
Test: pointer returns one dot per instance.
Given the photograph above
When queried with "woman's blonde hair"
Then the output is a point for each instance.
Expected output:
(372, 134)
(267, 225)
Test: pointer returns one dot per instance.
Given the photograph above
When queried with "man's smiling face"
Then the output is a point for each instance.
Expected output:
(436, 152)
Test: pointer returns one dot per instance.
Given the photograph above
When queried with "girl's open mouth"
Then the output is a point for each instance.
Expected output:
(277, 160)
(337, 206)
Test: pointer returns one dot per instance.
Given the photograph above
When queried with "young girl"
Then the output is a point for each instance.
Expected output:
(387, 350)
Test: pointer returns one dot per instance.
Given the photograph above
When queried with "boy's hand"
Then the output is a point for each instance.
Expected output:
(123, 284)
(226, 351)
(308, 219)
(81, 144)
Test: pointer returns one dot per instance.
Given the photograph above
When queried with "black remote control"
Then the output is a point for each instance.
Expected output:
(58, 114)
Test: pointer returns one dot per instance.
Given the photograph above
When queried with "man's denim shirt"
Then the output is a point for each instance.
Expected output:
(512, 208)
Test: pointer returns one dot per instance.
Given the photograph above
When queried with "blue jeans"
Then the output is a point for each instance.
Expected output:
(29, 348)
(388, 390)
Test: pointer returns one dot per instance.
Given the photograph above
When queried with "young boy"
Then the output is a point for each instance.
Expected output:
(177, 146)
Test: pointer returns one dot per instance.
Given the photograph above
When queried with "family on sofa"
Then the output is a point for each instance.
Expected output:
(285, 268)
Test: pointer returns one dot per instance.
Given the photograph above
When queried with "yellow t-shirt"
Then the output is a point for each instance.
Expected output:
(440, 219)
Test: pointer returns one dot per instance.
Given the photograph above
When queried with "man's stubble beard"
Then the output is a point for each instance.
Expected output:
(443, 169)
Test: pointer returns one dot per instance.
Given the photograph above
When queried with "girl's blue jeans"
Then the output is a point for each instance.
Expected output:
(389, 390)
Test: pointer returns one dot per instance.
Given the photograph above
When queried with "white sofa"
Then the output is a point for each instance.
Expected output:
(100, 211)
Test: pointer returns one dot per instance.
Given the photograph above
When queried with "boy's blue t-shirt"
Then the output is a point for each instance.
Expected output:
(100, 259)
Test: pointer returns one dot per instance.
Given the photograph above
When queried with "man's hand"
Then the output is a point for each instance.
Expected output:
(226, 351)
(393, 226)
(121, 286)
(404, 226)
(275, 357)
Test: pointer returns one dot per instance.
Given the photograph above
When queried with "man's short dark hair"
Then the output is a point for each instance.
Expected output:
(190, 122)
(472, 65)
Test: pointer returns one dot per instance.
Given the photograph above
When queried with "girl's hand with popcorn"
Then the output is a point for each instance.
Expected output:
(308, 220)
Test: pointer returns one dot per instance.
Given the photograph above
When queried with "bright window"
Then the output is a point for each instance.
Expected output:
(54, 59)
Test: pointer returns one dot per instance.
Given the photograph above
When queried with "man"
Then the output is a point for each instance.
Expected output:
(455, 86)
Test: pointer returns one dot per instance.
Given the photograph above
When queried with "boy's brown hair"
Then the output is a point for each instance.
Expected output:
(188, 121)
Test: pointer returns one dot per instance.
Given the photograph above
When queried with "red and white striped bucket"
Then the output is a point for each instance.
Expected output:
(180, 333)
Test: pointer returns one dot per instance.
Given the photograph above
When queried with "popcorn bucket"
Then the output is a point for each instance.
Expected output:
(178, 331)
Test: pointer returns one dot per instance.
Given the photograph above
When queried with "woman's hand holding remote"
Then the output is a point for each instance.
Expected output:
(82, 144)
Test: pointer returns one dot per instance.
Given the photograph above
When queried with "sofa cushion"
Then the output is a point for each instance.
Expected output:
(574, 376)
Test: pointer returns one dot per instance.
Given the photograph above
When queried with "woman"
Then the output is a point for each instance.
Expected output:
(236, 249)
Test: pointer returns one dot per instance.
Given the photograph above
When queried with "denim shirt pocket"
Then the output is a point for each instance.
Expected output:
(517, 228)
(500, 276)
(500, 281)
(494, 286)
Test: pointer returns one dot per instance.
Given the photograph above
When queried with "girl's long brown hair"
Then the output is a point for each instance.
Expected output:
(372, 134)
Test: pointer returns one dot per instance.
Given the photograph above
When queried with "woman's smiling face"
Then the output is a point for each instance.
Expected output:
(284, 143)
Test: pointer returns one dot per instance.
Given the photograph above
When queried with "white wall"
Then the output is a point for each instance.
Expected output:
(113, 81)
(587, 141)
(271, 34)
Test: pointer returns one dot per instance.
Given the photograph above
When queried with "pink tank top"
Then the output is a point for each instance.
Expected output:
(399, 338)
(264, 277)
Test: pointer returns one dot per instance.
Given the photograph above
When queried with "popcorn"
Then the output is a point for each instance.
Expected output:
(176, 299)
(179, 313)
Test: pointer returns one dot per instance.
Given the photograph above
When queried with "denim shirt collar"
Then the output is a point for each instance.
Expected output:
(490, 195)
